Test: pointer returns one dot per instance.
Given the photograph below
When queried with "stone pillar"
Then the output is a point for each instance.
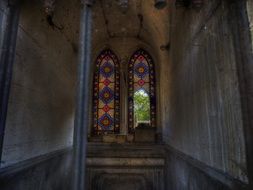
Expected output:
(123, 95)
(82, 121)
(9, 17)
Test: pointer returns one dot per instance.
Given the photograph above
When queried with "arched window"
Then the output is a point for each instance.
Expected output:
(141, 91)
(106, 94)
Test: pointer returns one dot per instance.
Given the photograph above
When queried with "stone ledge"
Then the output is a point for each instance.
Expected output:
(33, 162)
(125, 162)
(196, 166)
(134, 150)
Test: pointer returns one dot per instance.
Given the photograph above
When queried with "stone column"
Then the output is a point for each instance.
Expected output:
(123, 95)
(9, 17)
(83, 96)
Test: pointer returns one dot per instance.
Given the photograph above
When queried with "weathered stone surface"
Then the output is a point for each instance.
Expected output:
(127, 162)
(109, 138)
(48, 172)
(121, 181)
(202, 115)
(125, 167)
(54, 171)
(250, 16)
(198, 98)
(41, 105)
(186, 173)
(145, 135)
(141, 150)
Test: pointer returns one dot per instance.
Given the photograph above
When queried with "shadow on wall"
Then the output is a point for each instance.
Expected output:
(41, 106)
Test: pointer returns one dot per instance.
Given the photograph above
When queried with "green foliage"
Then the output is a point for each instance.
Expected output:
(141, 106)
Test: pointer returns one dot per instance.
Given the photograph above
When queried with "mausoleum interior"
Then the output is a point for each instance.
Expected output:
(126, 95)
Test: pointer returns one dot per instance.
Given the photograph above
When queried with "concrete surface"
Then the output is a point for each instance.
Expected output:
(202, 115)
(41, 105)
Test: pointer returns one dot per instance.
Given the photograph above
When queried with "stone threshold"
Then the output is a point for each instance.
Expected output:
(133, 150)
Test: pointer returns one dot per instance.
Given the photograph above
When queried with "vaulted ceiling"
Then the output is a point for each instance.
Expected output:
(139, 20)
(120, 21)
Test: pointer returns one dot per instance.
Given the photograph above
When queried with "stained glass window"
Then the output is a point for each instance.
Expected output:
(106, 95)
(142, 80)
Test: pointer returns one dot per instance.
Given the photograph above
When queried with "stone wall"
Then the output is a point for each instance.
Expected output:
(202, 112)
(41, 105)
(2, 17)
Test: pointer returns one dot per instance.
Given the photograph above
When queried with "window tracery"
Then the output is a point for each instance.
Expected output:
(106, 91)
(106, 94)
(141, 77)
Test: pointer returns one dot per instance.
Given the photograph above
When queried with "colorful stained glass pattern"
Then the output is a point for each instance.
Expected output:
(141, 77)
(106, 97)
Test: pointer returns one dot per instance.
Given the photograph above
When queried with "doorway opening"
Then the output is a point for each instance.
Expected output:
(141, 108)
